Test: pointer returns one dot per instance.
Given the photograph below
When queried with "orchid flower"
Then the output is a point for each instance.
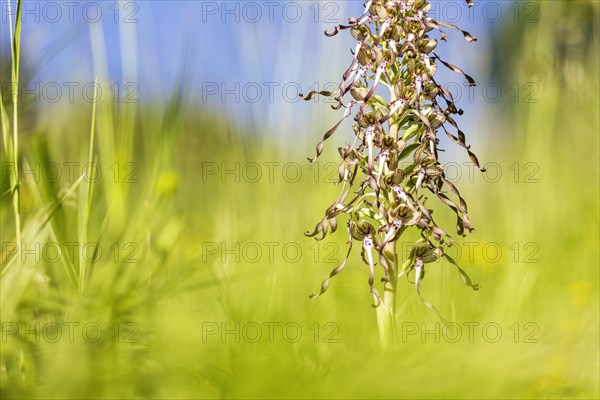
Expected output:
(395, 50)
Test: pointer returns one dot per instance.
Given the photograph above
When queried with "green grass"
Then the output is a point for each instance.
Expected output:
(165, 218)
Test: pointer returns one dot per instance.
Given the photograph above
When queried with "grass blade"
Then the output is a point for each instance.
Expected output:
(89, 191)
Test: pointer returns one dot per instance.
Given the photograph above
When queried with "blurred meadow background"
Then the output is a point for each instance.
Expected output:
(197, 272)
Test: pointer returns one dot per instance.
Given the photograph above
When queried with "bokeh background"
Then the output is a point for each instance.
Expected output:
(199, 269)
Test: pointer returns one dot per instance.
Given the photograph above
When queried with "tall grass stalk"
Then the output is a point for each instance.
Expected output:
(13, 150)
(89, 192)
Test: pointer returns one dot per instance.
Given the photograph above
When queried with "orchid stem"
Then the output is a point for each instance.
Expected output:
(386, 311)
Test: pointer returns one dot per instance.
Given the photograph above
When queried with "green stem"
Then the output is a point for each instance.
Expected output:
(16, 45)
(15, 161)
(90, 189)
(386, 311)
